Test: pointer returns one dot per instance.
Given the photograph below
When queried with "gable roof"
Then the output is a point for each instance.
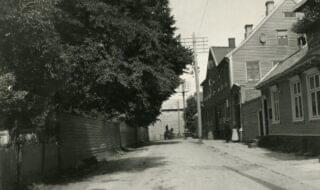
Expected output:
(284, 67)
(300, 5)
(261, 23)
(219, 53)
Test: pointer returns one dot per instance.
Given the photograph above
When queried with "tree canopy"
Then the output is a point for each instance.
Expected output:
(311, 17)
(118, 58)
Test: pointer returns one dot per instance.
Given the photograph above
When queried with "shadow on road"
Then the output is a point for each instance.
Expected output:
(135, 164)
(287, 156)
(257, 180)
(169, 142)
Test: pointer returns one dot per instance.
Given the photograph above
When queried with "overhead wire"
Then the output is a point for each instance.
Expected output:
(203, 15)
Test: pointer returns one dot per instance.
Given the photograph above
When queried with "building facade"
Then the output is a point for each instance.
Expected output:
(292, 91)
(233, 85)
(216, 86)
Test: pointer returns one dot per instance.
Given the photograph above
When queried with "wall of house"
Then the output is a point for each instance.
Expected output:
(287, 126)
(250, 119)
(266, 54)
(208, 121)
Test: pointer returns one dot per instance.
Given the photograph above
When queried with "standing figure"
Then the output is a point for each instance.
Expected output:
(227, 131)
(166, 133)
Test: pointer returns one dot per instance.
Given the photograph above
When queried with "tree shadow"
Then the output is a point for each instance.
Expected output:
(169, 142)
(135, 164)
(288, 156)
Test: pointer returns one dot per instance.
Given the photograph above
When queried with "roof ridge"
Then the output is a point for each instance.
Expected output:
(220, 47)
(265, 19)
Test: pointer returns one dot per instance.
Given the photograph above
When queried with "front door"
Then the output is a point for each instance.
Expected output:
(260, 118)
(266, 116)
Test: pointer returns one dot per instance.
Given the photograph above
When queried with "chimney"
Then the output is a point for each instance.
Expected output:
(248, 29)
(232, 43)
(269, 7)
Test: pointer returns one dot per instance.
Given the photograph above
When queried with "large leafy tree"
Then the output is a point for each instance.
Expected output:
(31, 61)
(311, 18)
(119, 58)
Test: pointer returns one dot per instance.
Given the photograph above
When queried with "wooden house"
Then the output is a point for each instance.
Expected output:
(292, 90)
(214, 86)
(233, 97)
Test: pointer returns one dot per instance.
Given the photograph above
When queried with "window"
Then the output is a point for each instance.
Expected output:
(314, 95)
(253, 71)
(282, 37)
(275, 103)
(302, 41)
(296, 99)
(289, 14)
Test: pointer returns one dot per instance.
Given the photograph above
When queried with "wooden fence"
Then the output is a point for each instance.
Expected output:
(80, 138)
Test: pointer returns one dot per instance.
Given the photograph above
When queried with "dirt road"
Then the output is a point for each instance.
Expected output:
(183, 165)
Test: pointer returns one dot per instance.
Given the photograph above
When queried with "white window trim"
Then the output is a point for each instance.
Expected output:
(309, 72)
(295, 80)
(273, 89)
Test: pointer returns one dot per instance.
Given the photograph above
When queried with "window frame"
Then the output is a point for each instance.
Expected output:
(280, 36)
(289, 14)
(309, 74)
(275, 89)
(296, 93)
(259, 71)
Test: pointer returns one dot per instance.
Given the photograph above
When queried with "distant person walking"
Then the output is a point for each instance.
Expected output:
(227, 131)
(166, 133)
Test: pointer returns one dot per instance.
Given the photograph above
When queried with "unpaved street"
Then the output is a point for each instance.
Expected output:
(187, 165)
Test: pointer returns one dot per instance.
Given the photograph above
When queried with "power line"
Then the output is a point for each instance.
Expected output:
(203, 15)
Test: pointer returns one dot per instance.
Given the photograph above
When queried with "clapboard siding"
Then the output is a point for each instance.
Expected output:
(287, 126)
(269, 52)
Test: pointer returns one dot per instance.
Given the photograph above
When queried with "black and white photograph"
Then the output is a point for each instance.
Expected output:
(159, 94)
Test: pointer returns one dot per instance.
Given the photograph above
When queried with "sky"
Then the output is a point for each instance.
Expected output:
(216, 19)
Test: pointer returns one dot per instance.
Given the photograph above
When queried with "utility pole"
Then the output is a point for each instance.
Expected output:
(179, 133)
(183, 91)
(198, 45)
(196, 74)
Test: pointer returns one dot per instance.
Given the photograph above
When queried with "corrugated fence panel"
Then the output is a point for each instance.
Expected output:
(83, 138)
(31, 164)
(8, 168)
(143, 135)
(128, 135)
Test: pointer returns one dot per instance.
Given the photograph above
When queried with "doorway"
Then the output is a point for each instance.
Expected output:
(260, 121)
(266, 116)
